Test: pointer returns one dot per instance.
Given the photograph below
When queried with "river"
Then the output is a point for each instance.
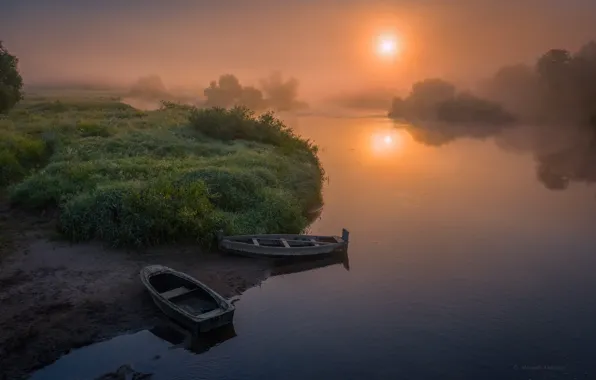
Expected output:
(462, 265)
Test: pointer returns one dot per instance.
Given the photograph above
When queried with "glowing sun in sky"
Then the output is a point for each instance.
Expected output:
(388, 45)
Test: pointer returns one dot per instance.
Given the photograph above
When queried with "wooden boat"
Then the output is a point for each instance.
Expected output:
(186, 300)
(283, 245)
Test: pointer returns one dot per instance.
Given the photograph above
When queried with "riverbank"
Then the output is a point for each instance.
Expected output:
(57, 296)
(89, 184)
(128, 177)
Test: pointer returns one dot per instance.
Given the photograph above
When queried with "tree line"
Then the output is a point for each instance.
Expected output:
(274, 92)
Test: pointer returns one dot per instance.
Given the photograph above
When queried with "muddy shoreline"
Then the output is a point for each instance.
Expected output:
(56, 296)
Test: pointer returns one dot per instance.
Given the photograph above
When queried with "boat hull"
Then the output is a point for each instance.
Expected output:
(293, 245)
(195, 323)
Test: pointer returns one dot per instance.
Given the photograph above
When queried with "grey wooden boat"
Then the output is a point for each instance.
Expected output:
(283, 245)
(186, 300)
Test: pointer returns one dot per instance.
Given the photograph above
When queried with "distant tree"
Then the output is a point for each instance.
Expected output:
(554, 68)
(432, 91)
(11, 82)
(251, 97)
(149, 87)
(276, 93)
(587, 52)
(584, 68)
(280, 94)
(467, 108)
(398, 108)
(224, 92)
(229, 84)
(516, 87)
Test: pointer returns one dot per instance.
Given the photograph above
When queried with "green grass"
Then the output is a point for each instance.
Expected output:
(136, 178)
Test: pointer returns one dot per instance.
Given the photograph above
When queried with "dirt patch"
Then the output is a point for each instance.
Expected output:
(56, 296)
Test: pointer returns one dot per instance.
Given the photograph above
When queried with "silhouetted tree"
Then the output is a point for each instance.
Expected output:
(280, 94)
(467, 108)
(438, 100)
(517, 89)
(228, 92)
(251, 97)
(11, 82)
(149, 87)
(554, 68)
(398, 108)
(223, 93)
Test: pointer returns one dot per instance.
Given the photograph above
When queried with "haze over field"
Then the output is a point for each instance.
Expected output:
(327, 45)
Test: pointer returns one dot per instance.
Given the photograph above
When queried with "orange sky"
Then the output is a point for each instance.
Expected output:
(327, 44)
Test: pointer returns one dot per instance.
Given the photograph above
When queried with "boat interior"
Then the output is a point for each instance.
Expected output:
(183, 293)
(294, 242)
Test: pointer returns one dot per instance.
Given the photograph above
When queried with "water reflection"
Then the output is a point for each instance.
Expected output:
(388, 141)
(195, 343)
(563, 154)
(290, 266)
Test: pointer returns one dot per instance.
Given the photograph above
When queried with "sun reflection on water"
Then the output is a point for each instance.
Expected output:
(389, 141)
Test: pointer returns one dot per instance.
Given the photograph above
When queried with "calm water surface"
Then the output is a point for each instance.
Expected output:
(462, 266)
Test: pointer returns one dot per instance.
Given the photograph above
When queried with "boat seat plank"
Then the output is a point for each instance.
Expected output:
(176, 292)
(255, 242)
(284, 242)
(295, 241)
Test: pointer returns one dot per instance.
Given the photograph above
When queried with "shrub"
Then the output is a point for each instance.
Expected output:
(18, 154)
(240, 123)
(131, 215)
(10, 168)
(229, 189)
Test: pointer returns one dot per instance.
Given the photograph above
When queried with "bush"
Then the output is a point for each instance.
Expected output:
(18, 154)
(10, 168)
(240, 123)
(229, 189)
(131, 215)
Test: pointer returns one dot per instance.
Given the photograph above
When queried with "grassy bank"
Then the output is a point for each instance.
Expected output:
(131, 177)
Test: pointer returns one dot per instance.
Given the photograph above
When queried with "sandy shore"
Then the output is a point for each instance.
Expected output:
(55, 296)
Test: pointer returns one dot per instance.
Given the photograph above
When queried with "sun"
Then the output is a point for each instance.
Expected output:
(387, 45)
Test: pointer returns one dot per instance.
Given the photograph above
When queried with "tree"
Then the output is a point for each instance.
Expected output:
(149, 87)
(553, 67)
(11, 82)
(252, 98)
(281, 94)
(398, 108)
(225, 92)
(428, 94)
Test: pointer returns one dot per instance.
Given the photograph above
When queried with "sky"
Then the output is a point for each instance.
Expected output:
(326, 44)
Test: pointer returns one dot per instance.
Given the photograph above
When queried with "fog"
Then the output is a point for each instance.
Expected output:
(324, 51)
(325, 44)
